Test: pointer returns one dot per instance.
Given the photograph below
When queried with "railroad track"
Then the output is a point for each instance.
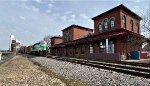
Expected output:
(132, 63)
(122, 68)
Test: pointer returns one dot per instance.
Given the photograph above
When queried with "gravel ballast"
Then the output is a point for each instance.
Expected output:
(19, 71)
(92, 76)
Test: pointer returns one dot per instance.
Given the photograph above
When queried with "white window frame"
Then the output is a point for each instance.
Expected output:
(100, 27)
(112, 25)
(132, 24)
(105, 24)
(91, 48)
(124, 19)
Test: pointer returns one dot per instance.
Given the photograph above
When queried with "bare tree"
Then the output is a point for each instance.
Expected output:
(47, 39)
(145, 24)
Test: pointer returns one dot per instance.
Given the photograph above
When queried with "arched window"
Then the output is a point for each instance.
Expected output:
(124, 21)
(105, 25)
(131, 22)
(65, 37)
(112, 23)
(138, 27)
(69, 36)
(99, 27)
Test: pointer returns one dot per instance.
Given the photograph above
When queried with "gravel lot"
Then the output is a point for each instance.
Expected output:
(93, 76)
(19, 71)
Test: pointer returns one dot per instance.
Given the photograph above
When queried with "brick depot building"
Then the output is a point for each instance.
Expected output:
(116, 33)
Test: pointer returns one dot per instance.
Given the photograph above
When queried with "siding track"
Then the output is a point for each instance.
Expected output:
(124, 67)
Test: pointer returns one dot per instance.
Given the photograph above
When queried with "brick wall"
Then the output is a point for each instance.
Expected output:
(118, 14)
(76, 33)
(56, 40)
(119, 45)
(129, 17)
(100, 19)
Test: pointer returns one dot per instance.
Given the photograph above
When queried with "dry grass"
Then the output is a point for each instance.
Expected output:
(1, 63)
(19, 71)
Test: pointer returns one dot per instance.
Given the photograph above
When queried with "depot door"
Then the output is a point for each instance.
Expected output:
(66, 51)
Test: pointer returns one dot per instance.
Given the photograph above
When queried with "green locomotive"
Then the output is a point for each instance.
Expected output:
(40, 48)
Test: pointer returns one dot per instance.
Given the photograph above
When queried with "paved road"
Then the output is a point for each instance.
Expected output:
(19, 71)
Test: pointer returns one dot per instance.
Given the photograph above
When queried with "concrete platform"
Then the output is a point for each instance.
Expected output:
(139, 61)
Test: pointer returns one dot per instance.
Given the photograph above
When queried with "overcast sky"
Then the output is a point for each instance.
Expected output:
(31, 20)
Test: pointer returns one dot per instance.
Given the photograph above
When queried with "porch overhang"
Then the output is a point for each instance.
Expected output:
(110, 34)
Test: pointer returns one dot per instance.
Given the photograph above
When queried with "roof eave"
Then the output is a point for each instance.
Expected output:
(116, 8)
